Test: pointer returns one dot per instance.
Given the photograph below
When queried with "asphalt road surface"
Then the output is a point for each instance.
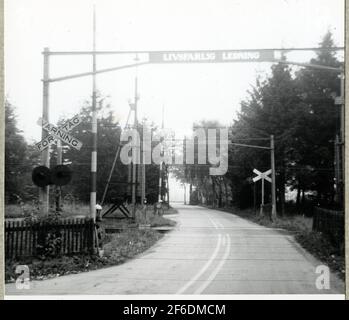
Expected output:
(209, 252)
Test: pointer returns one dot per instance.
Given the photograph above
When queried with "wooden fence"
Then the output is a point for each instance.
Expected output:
(68, 236)
(331, 223)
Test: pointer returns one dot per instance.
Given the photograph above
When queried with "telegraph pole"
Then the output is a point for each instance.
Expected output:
(337, 160)
(161, 163)
(342, 139)
(45, 155)
(143, 166)
(58, 188)
(273, 181)
(134, 157)
(94, 127)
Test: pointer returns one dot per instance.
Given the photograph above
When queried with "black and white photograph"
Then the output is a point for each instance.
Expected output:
(188, 149)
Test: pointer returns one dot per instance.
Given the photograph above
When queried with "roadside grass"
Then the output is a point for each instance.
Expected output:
(15, 211)
(72, 210)
(170, 210)
(160, 221)
(152, 219)
(118, 248)
(314, 242)
(69, 210)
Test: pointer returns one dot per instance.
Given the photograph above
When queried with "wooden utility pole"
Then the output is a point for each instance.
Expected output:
(342, 139)
(58, 188)
(161, 163)
(135, 156)
(45, 155)
(143, 166)
(273, 180)
(337, 160)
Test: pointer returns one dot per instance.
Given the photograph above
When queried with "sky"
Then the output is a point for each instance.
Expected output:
(188, 92)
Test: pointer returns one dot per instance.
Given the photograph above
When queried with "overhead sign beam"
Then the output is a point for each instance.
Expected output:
(194, 56)
(99, 52)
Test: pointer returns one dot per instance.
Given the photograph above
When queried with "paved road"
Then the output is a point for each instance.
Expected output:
(209, 252)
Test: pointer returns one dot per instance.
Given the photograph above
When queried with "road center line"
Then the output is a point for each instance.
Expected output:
(214, 223)
(217, 269)
(203, 269)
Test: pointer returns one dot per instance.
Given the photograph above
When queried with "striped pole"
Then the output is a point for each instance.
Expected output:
(94, 127)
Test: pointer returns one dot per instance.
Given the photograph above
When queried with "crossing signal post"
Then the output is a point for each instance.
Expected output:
(273, 175)
(262, 176)
(273, 180)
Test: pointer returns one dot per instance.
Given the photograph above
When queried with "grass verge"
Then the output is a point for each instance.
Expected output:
(153, 220)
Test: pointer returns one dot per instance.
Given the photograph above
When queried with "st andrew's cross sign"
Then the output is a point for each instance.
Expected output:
(262, 176)
(61, 133)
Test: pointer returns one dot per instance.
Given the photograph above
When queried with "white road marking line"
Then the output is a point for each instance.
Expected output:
(220, 224)
(214, 224)
(203, 269)
(215, 272)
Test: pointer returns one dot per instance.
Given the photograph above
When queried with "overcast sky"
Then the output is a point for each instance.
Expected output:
(189, 92)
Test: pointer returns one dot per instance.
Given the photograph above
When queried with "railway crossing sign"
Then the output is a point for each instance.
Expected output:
(60, 132)
(262, 176)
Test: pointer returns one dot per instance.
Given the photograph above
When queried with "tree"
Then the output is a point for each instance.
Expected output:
(322, 123)
(208, 189)
(299, 111)
(19, 160)
(273, 108)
